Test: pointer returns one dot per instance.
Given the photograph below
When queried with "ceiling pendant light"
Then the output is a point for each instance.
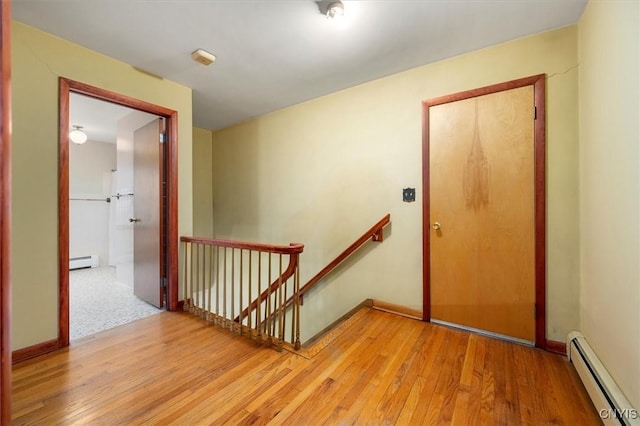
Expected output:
(77, 135)
(335, 10)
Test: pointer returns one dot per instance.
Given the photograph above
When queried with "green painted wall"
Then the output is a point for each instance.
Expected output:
(324, 171)
(202, 183)
(610, 187)
(38, 59)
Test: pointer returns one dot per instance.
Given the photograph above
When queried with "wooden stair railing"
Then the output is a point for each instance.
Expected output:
(375, 233)
(288, 273)
(221, 278)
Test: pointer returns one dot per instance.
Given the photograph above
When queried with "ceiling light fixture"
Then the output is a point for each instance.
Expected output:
(335, 10)
(77, 135)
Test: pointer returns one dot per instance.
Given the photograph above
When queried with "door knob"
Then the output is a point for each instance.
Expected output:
(134, 219)
(436, 226)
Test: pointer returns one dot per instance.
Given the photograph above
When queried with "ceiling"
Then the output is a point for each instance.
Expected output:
(99, 119)
(275, 53)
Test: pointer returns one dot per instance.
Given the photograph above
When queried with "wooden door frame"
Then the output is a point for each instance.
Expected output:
(66, 86)
(5, 212)
(538, 83)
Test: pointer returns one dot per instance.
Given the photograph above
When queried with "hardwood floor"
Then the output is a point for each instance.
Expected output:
(380, 368)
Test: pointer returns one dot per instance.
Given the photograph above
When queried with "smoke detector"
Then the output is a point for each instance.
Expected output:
(203, 57)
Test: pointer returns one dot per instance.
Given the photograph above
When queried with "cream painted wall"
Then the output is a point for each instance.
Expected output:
(324, 171)
(609, 53)
(202, 183)
(38, 59)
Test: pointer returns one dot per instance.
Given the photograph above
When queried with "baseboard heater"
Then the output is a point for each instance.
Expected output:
(84, 262)
(611, 404)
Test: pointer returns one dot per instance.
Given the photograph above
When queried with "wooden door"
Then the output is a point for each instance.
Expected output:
(482, 212)
(147, 198)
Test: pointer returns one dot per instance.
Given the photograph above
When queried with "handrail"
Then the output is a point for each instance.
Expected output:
(374, 233)
(270, 319)
(288, 273)
(293, 248)
(220, 275)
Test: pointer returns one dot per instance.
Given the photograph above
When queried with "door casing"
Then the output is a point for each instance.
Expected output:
(538, 83)
(171, 177)
(5, 212)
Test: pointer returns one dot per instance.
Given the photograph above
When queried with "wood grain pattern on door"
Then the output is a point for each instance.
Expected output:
(481, 172)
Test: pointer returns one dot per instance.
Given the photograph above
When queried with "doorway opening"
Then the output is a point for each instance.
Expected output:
(161, 262)
(101, 193)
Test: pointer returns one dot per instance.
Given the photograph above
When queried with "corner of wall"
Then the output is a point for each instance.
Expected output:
(202, 182)
(609, 106)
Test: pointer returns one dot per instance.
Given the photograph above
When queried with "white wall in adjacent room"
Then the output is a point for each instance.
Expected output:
(90, 168)
(122, 229)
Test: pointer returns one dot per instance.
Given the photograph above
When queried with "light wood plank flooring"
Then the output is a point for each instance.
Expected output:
(381, 369)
